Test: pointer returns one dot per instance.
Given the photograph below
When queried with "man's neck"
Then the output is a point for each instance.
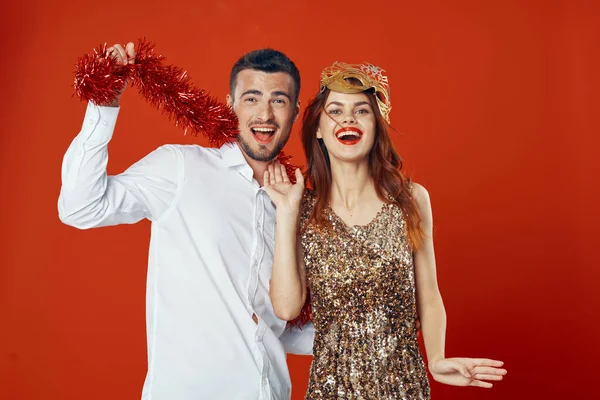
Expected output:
(258, 168)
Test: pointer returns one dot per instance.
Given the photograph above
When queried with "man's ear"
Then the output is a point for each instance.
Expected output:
(297, 111)
(229, 100)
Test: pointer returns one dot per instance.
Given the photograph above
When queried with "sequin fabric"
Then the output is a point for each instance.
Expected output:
(362, 286)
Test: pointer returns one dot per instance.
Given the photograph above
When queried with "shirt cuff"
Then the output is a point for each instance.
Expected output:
(99, 123)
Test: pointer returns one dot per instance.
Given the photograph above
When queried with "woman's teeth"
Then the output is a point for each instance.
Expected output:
(341, 135)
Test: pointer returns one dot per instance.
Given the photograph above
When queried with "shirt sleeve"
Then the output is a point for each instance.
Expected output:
(298, 340)
(90, 198)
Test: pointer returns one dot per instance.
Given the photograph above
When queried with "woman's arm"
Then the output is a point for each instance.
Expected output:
(451, 371)
(429, 300)
(288, 279)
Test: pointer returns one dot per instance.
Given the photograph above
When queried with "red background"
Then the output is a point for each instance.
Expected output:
(495, 103)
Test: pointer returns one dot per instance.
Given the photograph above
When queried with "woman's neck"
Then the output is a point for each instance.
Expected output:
(351, 183)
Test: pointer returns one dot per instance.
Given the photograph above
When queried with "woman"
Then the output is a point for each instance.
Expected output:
(362, 237)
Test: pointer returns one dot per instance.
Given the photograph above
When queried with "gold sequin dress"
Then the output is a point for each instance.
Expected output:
(362, 288)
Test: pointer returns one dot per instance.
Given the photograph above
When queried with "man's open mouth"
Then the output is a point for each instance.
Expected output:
(263, 134)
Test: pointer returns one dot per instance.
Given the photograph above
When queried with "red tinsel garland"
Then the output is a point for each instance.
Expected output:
(99, 79)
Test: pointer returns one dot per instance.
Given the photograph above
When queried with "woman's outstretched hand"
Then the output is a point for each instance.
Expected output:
(467, 371)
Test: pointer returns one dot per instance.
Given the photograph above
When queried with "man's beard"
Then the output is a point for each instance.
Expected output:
(262, 153)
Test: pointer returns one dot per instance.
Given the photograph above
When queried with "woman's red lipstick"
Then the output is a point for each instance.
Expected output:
(348, 135)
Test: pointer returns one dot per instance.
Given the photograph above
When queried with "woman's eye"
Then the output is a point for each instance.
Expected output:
(335, 112)
(362, 111)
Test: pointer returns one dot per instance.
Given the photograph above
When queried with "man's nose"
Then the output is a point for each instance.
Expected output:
(265, 111)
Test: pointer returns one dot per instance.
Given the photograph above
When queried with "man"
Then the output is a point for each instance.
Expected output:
(211, 330)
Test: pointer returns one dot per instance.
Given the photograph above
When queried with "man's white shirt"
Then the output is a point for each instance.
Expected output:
(209, 267)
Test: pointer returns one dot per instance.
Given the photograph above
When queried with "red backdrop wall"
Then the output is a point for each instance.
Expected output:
(494, 102)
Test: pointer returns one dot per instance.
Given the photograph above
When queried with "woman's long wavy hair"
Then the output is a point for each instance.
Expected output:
(385, 167)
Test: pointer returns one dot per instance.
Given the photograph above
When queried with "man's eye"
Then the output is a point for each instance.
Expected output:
(250, 99)
(279, 101)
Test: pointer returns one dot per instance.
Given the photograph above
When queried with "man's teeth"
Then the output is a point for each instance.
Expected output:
(264, 130)
(347, 133)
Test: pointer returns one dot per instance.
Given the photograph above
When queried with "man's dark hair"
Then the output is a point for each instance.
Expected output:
(266, 60)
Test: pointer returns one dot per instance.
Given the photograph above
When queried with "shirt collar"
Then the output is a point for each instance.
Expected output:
(232, 156)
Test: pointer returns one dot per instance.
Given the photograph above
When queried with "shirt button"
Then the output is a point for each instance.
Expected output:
(104, 123)
(91, 121)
